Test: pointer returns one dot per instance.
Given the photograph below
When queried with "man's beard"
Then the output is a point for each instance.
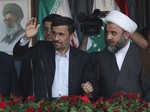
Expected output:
(57, 45)
(12, 30)
(115, 48)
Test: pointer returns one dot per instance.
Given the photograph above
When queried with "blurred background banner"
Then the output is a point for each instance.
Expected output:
(60, 7)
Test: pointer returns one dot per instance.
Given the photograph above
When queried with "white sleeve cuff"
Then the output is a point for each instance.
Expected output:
(23, 42)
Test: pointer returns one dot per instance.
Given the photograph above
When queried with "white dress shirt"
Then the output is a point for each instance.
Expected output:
(23, 42)
(60, 83)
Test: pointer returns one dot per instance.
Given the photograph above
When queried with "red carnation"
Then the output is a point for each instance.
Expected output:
(140, 108)
(109, 100)
(16, 100)
(64, 97)
(49, 108)
(139, 99)
(30, 109)
(115, 110)
(104, 107)
(31, 98)
(128, 104)
(39, 109)
(119, 94)
(130, 96)
(10, 103)
(2, 105)
(145, 104)
(100, 99)
(84, 99)
(73, 100)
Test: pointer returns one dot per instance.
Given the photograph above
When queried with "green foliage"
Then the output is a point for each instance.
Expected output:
(120, 102)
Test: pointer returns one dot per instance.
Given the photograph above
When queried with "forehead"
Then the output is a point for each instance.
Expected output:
(9, 15)
(60, 28)
(47, 23)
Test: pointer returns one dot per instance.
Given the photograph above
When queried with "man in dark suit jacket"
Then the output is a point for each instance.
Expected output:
(54, 69)
(9, 82)
(119, 67)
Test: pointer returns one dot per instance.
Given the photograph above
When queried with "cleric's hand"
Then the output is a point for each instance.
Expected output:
(87, 87)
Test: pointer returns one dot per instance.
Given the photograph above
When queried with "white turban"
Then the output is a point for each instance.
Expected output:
(121, 20)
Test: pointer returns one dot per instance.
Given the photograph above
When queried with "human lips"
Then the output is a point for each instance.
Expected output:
(110, 43)
(57, 43)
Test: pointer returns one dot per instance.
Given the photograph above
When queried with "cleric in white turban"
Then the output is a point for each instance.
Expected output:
(119, 67)
(121, 20)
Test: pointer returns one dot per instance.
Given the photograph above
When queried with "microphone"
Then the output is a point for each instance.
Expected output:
(45, 81)
(31, 64)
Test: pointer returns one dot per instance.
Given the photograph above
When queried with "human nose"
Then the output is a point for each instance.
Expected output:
(108, 36)
(49, 31)
(55, 37)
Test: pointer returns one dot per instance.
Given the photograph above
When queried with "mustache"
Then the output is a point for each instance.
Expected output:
(56, 42)
(109, 42)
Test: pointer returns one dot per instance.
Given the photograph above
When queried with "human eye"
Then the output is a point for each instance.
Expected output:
(45, 29)
(61, 34)
(113, 33)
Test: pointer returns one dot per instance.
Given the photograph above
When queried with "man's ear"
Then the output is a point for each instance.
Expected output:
(126, 35)
(72, 36)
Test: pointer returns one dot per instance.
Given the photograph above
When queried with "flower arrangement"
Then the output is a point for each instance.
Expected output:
(120, 102)
(123, 102)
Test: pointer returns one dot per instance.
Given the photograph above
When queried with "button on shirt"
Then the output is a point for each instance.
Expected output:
(60, 84)
(120, 55)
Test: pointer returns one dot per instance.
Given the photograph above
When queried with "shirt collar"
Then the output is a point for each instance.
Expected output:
(66, 54)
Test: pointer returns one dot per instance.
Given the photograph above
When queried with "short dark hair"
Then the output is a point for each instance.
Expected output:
(65, 21)
(50, 18)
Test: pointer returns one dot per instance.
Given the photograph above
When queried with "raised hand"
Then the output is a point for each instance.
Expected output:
(31, 28)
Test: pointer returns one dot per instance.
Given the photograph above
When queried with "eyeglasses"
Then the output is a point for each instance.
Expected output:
(9, 20)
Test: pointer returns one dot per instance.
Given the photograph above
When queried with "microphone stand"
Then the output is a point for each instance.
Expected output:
(31, 64)
(45, 81)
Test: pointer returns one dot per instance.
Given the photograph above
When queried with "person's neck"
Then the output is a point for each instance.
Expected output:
(63, 52)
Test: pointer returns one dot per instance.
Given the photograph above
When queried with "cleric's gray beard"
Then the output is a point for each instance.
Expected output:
(120, 44)
(12, 30)
(112, 49)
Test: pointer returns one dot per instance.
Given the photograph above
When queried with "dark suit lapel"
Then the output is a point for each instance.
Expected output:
(52, 61)
(114, 70)
(123, 70)
(71, 69)
(113, 65)
(49, 60)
